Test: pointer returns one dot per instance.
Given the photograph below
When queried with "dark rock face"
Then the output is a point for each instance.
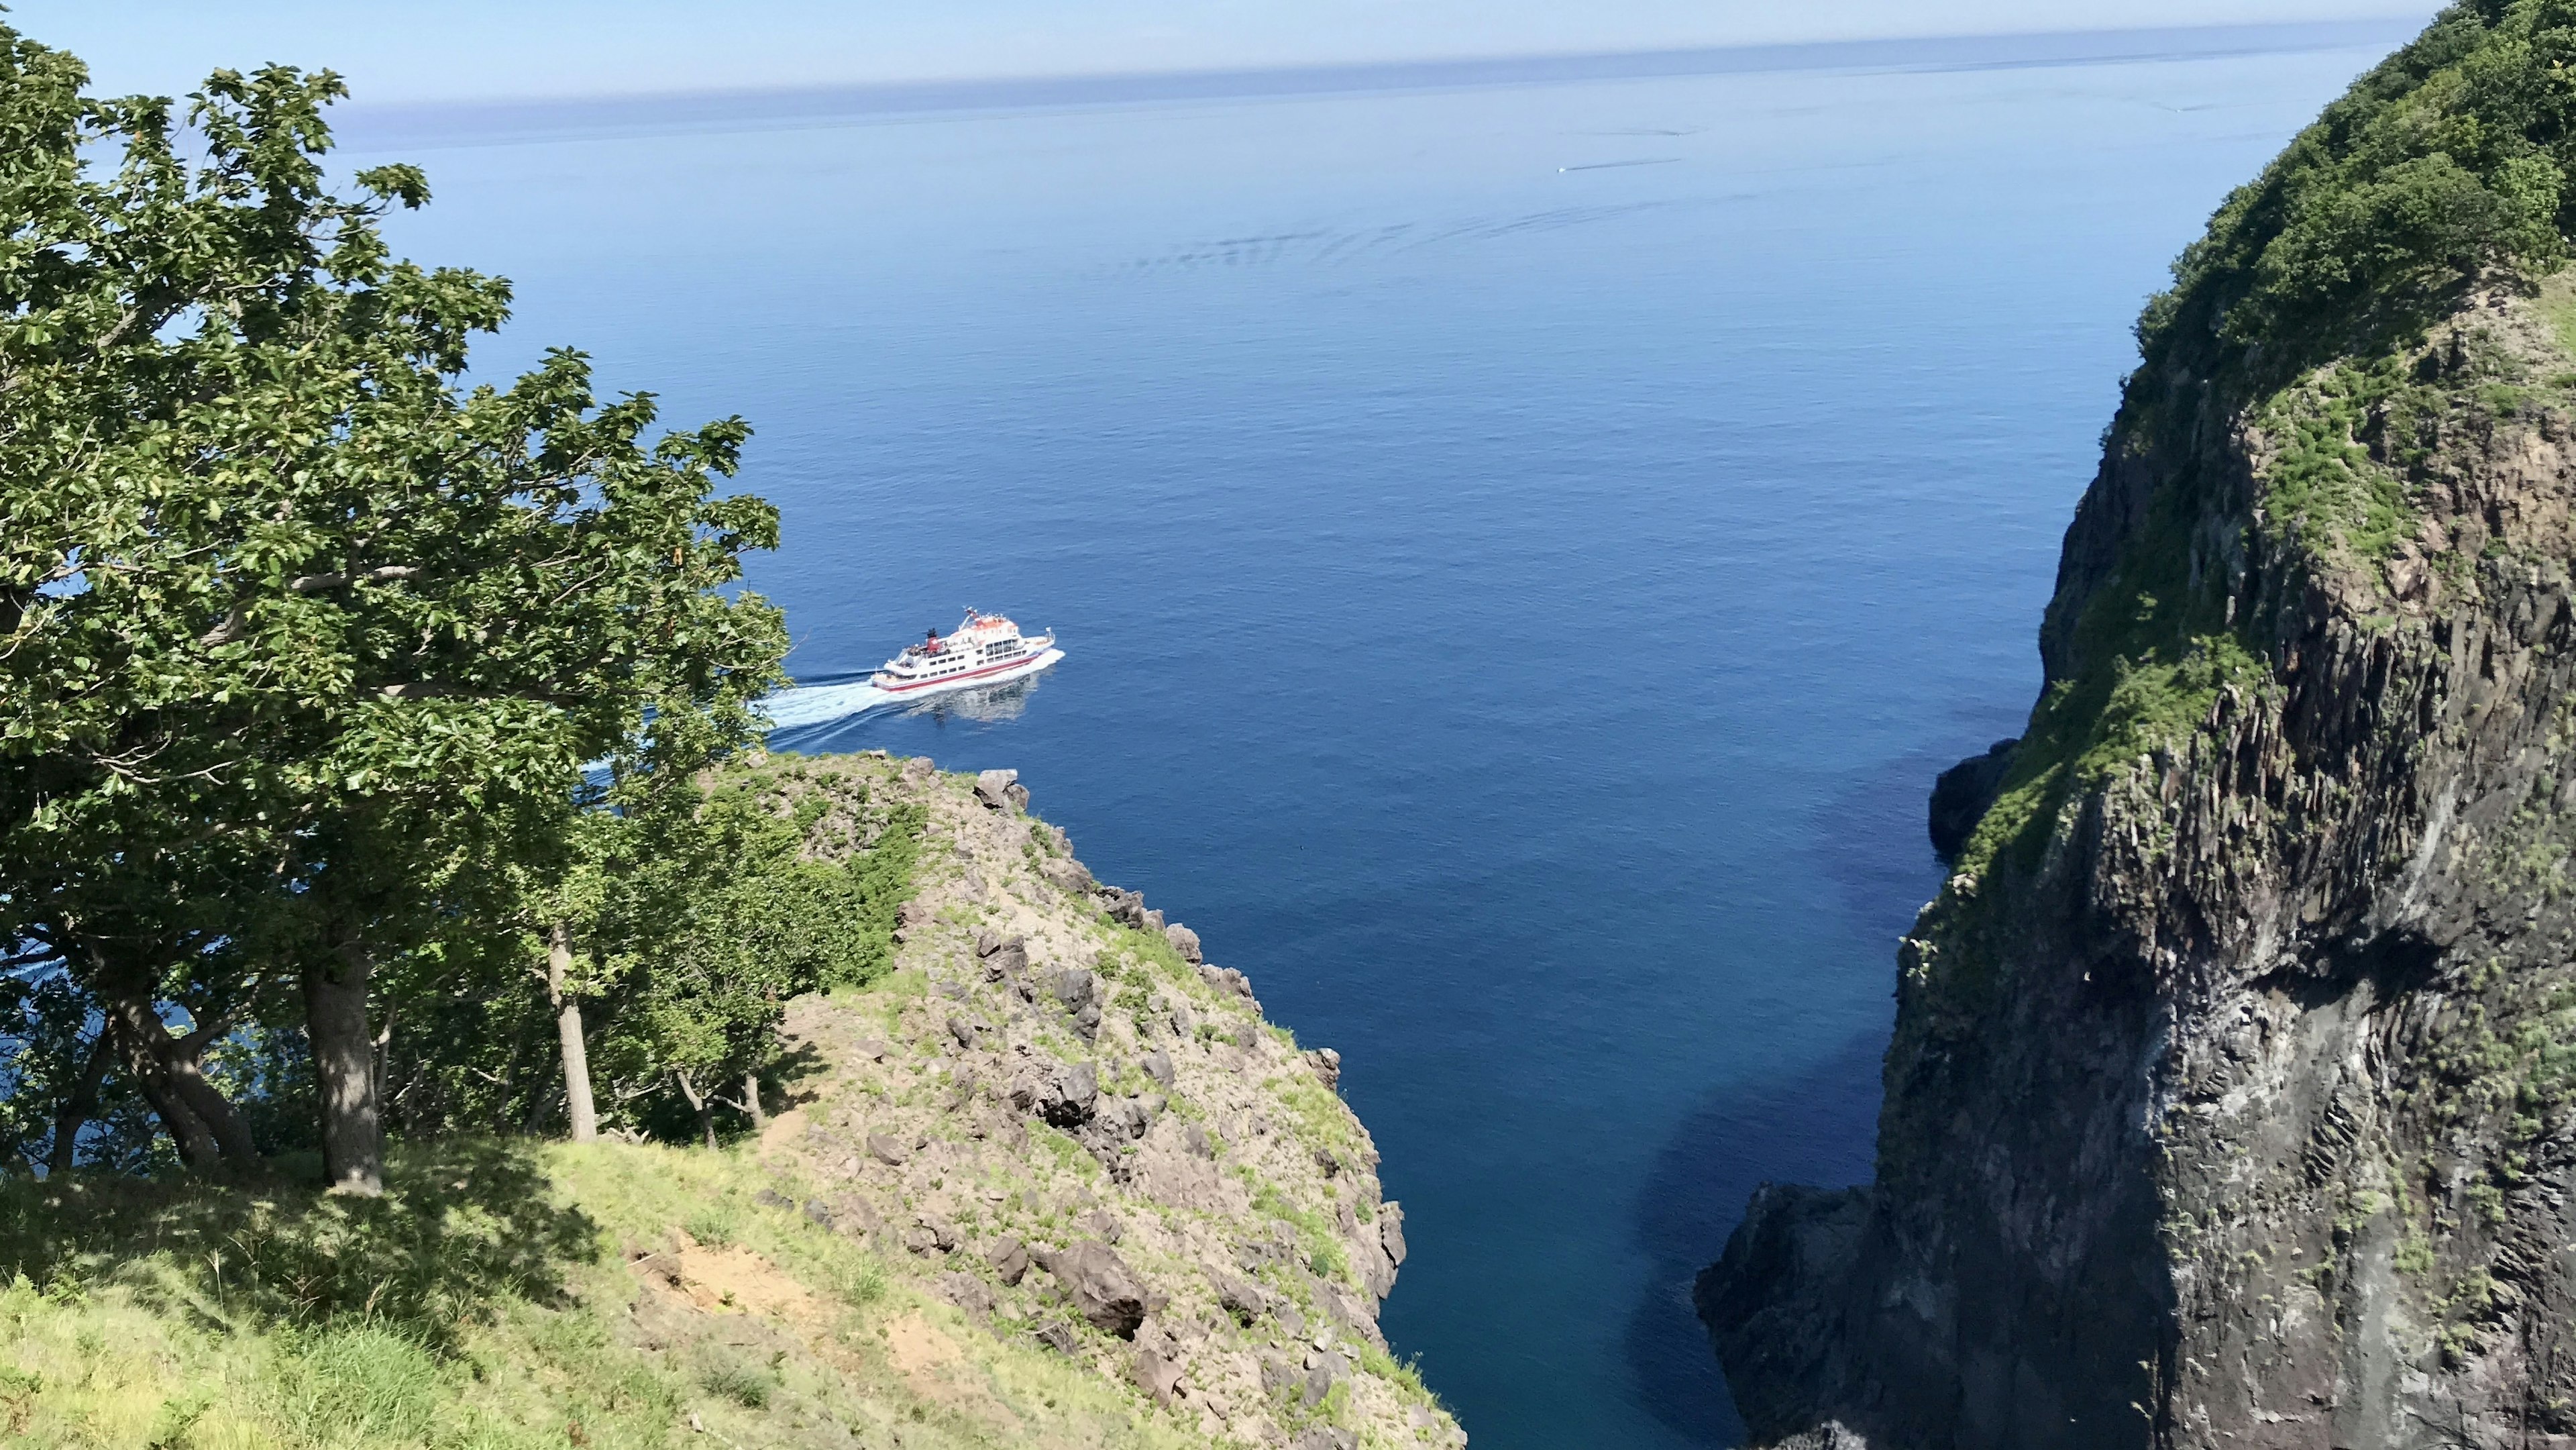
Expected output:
(1327, 1065)
(2230, 1101)
(994, 787)
(1100, 1287)
(1242, 1298)
(1070, 1095)
(1962, 793)
(1009, 1258)
(1158, 1376)
(1125, 907)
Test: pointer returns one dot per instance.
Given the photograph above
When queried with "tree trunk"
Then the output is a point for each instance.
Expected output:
(698, 1105)
(188, 1133)
(541, 1111)
(344, 1059)
(182, 1058)
(576, 1048)
(751, 1102)
(171, 1072)
(78, 1104)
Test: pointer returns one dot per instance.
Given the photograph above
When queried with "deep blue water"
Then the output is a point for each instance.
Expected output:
(1523, 552)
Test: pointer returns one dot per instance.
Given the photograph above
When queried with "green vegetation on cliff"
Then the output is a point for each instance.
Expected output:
(371, 745)
(2449, 157)
(500, 1297)
(2308, 311)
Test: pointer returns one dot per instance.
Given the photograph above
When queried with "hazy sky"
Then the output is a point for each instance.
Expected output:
(488, 48)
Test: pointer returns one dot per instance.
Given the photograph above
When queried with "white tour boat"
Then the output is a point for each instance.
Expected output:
(986, 650)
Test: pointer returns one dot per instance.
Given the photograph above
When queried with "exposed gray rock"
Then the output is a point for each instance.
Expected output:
(1376, 1270)
(968, 1293)
(1158, 1376)
(1240, 1297)
(1184, 941)
(1058, 1337)
(1009, 1258)
(888, 1150)
(1327, 1065)
(1390, 1230)
(1158, 1066)
(1227, 979)
(1125, 907)
(1004, 958)
(1327, 1370)
(1069, 875)
(1070, 1095)
(1077, 988)
(992, 787)
(1100, 1286)
(1132, 1118)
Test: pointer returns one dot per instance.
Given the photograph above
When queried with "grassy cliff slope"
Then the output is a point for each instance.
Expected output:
(1049, 1182)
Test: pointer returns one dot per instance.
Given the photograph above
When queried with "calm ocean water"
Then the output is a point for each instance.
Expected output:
(1523, 552)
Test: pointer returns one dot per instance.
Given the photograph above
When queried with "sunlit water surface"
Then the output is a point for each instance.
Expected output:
(1522, 554)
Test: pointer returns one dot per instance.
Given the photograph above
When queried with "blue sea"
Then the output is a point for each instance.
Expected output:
(1524, 539)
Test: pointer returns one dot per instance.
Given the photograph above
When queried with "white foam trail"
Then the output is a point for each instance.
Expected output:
(817, 704)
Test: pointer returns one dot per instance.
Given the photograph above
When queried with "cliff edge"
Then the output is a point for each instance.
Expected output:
(2230, 1095)
(1051, 1181)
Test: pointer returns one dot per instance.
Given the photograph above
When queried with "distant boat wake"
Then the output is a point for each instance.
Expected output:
(822, 704)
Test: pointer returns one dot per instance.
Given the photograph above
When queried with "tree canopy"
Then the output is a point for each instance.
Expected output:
(324, 674)
(2449, 158)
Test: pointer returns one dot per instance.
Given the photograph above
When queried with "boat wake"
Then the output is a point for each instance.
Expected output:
(822, 704)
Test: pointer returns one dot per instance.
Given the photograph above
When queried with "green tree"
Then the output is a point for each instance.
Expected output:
(279, 596)
(713, 903)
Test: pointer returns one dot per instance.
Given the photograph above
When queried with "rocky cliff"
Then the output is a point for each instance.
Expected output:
(1060, 1118)
(2230, 1096)
(1052, 1182)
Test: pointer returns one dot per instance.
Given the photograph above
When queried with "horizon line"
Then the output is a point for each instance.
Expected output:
(513, 120)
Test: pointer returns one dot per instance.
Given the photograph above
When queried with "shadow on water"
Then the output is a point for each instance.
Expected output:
(1814, 1128)
(1818, 1126)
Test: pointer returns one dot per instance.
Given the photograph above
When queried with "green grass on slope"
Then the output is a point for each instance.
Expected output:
(489, 1301)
